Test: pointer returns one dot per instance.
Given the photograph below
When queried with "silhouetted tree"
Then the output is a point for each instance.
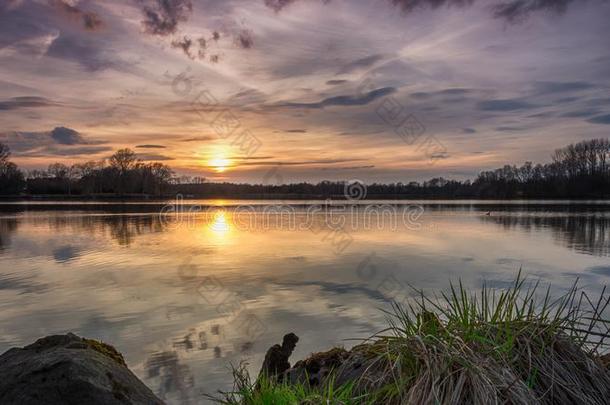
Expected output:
(11, 178)
(5, 152)
(123, 161)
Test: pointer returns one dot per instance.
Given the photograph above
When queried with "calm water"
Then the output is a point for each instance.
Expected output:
(184, 294)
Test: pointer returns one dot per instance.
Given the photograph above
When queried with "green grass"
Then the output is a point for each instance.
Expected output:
(266, 391)
(516, 345)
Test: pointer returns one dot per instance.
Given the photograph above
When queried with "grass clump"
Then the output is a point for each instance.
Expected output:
(268, 391)
(516, 345)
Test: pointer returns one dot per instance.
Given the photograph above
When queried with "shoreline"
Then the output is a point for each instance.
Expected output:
(276, 197)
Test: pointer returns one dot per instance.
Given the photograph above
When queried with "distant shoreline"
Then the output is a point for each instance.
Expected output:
(277, 197)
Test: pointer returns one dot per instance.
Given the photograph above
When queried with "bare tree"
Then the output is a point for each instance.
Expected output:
(123, 160)
(5, 152)
(11, 178)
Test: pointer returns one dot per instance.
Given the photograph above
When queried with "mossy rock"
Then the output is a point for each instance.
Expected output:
(106, 350)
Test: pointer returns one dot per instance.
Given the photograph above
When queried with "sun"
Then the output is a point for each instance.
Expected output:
(219, 163)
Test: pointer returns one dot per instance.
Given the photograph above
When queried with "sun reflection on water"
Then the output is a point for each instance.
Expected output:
(219, 229)
(219, 224)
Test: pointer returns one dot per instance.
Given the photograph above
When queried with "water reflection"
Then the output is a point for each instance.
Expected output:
(123, 229)
(588, 234)
(125, 276)
(172, 376)
(8, 226)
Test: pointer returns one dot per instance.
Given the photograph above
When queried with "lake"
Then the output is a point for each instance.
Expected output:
(185, 289)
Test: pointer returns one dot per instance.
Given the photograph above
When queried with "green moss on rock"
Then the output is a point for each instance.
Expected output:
(106, 349)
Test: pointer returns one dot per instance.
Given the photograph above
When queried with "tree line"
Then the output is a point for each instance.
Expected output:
(580, 170)
(122, 174)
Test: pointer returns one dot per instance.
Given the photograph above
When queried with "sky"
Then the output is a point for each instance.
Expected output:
(267, 91)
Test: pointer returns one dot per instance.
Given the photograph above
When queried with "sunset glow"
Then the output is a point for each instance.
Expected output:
(228, 90)
(219, 164)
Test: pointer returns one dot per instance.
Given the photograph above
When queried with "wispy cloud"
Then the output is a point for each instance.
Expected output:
(504, 105)
(517, 10)
(347, 100)
(150, 146)
(26, 102)
(601, 119)
(60, 141)
(89, 20)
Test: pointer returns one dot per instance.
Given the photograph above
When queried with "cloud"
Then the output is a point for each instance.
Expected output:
(44, 29)
(66, 136)
(440, 155)
(278, 5)
(567, 99)
(90, 21)
(203, 45)
(597, 101)
(60, 141)
(11, 4)
(153, 157)
(509, 129)
(161, 17)
(70, 151)
(148, 146)
(244, 39)
(84, 50)
(408, 6)
(188, 45)
(185, 44)
(504, 105)
(302, 162)
(455, 92)
(580, 113)
(204, 138)
(296, 131)
(600, 119)
(25, 102)
(361, 99)
(449, 92)
(512, 11)
(469, 130)
(518, 10)
(253, 157)
(420, 95)
(360, 64)
(561, 87)
(348, 168)
(336, 82)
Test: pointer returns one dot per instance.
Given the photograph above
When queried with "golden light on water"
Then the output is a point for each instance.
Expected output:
(218, 229)
(220, 224)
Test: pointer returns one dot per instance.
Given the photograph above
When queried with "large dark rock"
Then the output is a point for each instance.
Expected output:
(276, 359)
(67, 369)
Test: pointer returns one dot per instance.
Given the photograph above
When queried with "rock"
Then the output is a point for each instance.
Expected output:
(276, 359)
(316, 367)
(67, 369)
(605, 360)
(359, 365)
